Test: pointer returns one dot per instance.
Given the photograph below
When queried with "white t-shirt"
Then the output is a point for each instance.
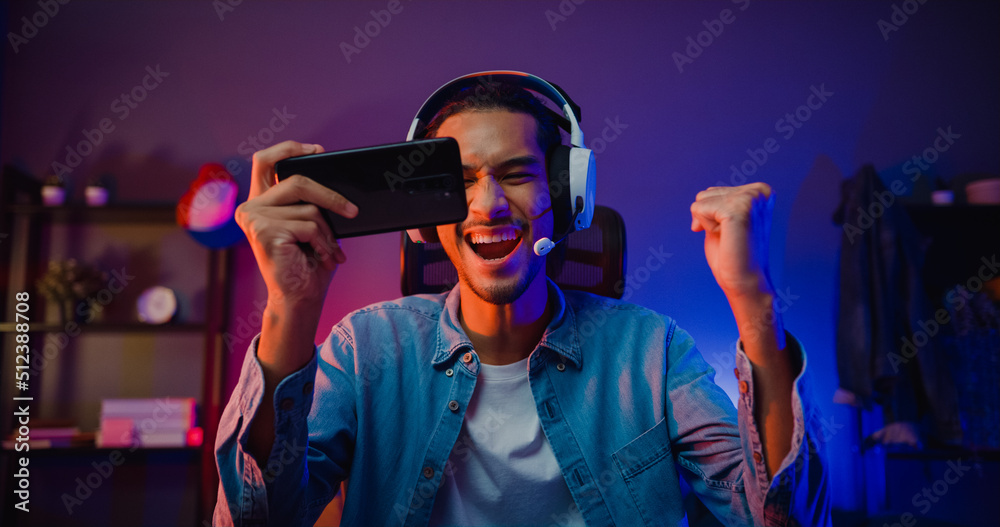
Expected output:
(502, 470)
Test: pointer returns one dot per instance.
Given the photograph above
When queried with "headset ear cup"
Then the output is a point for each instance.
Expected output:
(559, 190)
(423, 235)
(583, 183)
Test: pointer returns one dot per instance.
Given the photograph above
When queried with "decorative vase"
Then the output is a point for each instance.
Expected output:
(67, 311)
(53, 196)
(96, 196)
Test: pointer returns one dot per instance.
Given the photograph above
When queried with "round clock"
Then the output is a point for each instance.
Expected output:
(157, 305)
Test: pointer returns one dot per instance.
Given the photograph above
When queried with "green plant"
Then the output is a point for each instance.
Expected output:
(69, 280)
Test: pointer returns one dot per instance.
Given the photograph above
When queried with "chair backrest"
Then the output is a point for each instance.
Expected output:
(592, 260)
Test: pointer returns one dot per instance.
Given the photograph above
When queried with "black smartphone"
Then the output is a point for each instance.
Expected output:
(396, 187)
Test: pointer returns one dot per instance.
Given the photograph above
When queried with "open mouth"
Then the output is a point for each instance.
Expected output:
(494, 245)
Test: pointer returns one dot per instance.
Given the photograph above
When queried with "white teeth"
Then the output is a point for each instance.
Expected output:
(500, 237)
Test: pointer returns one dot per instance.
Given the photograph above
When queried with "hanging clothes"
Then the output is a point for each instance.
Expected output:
(887, 351)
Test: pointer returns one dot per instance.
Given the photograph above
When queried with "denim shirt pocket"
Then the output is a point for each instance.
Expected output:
(647, 465)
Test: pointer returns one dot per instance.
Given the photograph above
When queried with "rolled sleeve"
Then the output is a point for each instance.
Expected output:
(797, 493)
(246, 493)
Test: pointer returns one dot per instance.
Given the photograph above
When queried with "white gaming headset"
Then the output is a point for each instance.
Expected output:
(572, 179)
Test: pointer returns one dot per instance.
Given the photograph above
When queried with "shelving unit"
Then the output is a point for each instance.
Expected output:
(23, 252)
(81, 213)
(957, 237)
(102, 327)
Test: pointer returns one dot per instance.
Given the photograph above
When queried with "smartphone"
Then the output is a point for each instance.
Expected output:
(396, 187)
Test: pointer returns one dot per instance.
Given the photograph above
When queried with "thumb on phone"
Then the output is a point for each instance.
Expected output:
(262, 176)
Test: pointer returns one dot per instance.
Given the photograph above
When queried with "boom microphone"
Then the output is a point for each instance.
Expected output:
(543, 246)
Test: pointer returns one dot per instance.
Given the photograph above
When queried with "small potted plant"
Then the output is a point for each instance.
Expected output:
(53, 191)
(66, 283)
(96, 192)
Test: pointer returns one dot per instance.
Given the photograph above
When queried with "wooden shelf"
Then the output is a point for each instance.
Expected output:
(151, 213)
(113, 327)
(93, 450)
(25, 221)
(949, 219)
(942, 454)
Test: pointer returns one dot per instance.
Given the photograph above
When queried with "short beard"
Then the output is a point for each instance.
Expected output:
(502, 294)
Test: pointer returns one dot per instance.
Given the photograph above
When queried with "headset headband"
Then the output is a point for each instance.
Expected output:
(571, 111)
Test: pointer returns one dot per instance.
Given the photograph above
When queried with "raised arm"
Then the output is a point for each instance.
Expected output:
(737, 225)
(297, 256)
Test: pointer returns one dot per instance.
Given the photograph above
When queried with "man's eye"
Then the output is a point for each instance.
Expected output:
(520, 177)
(469, 182)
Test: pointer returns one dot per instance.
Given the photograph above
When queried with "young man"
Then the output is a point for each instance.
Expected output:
(487, 405)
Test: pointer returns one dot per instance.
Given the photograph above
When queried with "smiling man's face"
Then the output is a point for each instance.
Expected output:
(507, 190)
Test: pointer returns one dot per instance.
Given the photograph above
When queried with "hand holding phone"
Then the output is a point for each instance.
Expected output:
(290, 238)
(297, 255)
(397, 186)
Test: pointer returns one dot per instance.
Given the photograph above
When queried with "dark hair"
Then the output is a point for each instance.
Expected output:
(490, 95)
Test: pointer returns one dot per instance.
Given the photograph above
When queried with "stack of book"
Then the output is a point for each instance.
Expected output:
(50, 437)
(148, 423)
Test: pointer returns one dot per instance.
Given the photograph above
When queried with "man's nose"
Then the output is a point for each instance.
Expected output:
(487, 199)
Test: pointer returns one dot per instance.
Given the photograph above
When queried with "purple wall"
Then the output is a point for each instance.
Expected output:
(682, 130)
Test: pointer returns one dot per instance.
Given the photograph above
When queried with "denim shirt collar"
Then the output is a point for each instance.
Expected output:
(560, 335)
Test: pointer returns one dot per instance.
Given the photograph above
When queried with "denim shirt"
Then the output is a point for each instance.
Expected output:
(624, 398)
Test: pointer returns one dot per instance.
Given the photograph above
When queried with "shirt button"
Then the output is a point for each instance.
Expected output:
(757, 457)
(744, 387)
(287, 404)
(467, 358)
(428, 472)
(449, 372)
(561, 366)
(306, 388)
(453, 406)
(736, 372)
